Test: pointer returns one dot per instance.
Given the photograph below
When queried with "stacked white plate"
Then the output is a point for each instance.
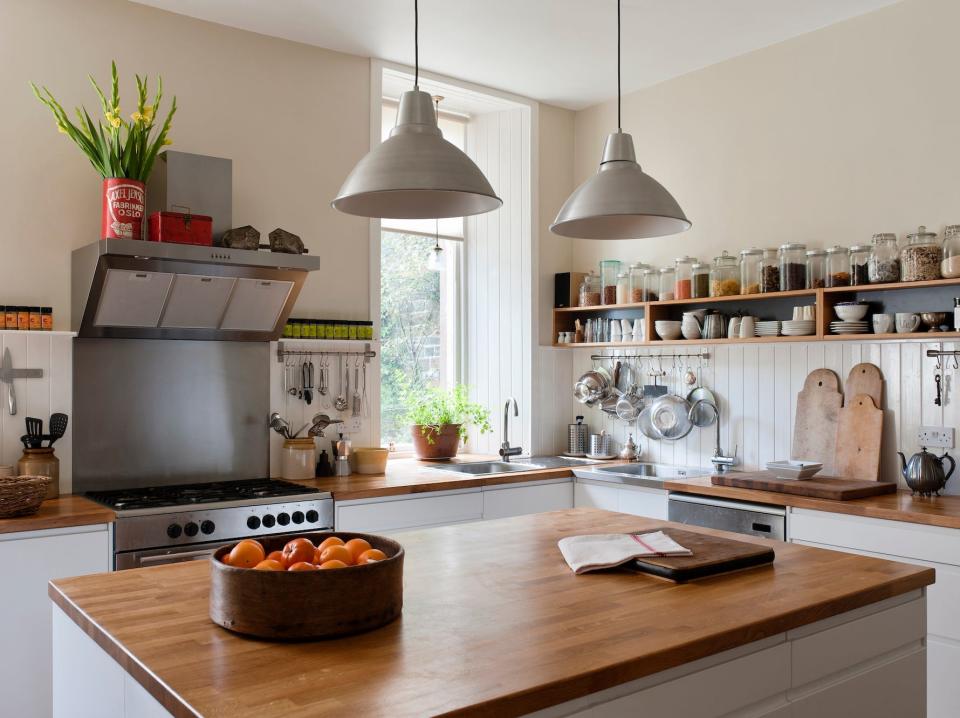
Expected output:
(798, 327)
(768, 329)
(858, 327)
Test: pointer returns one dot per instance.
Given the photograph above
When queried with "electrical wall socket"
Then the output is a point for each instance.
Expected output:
(351, 425)
(940, 437)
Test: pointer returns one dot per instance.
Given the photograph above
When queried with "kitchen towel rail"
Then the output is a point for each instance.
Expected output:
(282, 352)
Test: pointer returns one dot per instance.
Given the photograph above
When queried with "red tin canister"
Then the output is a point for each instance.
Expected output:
(181, 228)
(123, 208)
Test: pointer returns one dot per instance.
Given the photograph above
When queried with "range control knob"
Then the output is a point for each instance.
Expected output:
(283, 518)
(253, 523)
(312, 516)
(208, 527)
(191, 529)
(174, 531)
(269, 521)
(297, 517)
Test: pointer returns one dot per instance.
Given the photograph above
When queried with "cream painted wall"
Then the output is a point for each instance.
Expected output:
(293, 118)
(826, 138)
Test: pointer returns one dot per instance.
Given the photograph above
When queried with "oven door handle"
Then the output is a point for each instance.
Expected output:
(176, 557)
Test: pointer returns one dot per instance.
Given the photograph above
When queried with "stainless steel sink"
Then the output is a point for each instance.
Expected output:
(555, 462)
(651, 475)
(491, 468)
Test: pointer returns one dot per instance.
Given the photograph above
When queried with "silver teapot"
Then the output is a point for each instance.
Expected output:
(924, 472)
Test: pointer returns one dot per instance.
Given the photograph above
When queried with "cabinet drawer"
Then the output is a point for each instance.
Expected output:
(596, 497)
(406, 513)
(499, 503)
(641, 501)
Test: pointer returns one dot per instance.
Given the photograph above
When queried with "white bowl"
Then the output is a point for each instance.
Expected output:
(667, 329)
(851, 312)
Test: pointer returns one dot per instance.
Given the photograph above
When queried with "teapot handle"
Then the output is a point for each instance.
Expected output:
(953, 465)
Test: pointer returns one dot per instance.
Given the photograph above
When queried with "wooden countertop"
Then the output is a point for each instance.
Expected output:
(494, 624)
(61, 512)
(902, 506)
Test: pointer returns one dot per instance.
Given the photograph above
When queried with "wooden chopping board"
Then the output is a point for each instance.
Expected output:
(818, 487)
(864, 378)
(711, 555)
(859, 434)
(818, 414)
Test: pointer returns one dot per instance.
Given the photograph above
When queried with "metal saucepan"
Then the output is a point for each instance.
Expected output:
(591, 388)
(669, 417)
(701, 415)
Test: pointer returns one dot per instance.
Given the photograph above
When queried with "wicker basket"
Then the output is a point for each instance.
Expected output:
(22, 495)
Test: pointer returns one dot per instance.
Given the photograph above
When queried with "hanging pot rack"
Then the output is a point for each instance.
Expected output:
(283, 352)
(698, 355)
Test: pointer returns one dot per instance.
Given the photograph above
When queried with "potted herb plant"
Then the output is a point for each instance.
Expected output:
(440, 418)
(122, 151)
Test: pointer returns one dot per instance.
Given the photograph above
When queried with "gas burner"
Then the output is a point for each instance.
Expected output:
(218, 492)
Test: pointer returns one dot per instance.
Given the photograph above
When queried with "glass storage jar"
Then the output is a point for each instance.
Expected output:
(769, 271)
(950, 266)
(701, 280)
(609, 269)
(636, 281)
(838, 267)
(668, 280)
(724, 276)
(750, 260)
(793, 266)
(590, 291)
(683, 286)
(816, 269)
(884, 263)
(651, 285)
(921, 256)
(623, 288)
(860, 264)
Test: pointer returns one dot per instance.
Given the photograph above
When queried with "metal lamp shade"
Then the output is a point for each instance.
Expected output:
(415, 173)
(620, 201)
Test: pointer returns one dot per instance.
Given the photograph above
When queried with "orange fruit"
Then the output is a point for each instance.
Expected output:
(226, 558)
(333, 564)
(371, 556)
(356, 547)
(297, 551)
(275, 556)
(269, 564)
(328, 542)
(302, 566)
(247, 554)
(336, 553)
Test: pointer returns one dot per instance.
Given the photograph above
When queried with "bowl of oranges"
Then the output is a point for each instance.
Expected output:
(318, 585)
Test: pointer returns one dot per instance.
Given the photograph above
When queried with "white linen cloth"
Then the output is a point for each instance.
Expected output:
(596, 551)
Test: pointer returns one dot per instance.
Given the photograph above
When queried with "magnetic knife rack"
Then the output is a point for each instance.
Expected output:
(282, 353)
(633, 355)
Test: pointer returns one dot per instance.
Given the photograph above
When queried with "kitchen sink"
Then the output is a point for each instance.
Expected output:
(490, 468)
(650, 475)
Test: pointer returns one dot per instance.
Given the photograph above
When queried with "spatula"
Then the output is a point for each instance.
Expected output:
(58, 427)
(34, 431)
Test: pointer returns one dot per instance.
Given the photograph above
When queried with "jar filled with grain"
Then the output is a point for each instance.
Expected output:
(724, 276)
(651, 285)
(590, 291)
(884, 263)
(838, 267)
(921, 256)
(623, 288)
(860, 264)
(609, 269)
(668, 281)
(950, 266)
(683, 285)
(701, 280)
(636, 281)
(816, 269)
(769, 272)
(750, 261)
(793, 266)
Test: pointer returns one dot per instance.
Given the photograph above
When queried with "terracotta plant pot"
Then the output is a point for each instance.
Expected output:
(429, 443)
(122, 209)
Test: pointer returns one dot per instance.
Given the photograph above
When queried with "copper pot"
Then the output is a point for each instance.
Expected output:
(431, 442)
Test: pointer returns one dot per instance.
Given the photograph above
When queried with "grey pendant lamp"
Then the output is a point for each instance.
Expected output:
(621, 201)
(415, 173)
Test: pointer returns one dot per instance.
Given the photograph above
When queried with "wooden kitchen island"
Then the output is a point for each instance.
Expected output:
(495, 624)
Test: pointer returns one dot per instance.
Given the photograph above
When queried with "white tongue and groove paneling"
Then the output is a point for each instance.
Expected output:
(757, 387)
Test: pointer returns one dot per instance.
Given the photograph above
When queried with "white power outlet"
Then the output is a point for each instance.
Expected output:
(940, 437)
(351, 425)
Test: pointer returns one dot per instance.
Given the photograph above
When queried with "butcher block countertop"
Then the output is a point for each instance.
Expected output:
(900, 506)
(61, 512)
(494, 624)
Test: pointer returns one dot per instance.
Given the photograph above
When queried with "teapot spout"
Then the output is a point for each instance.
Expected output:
(903, 464)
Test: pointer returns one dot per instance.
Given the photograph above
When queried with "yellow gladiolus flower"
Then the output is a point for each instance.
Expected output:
(136, 117)
(167, 141)
(113, 118)
(148, 113)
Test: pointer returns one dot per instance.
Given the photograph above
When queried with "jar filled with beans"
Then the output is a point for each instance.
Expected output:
(636, 281)
(920, 258)
(701, 280)
(816, 269)
(651, 285)
(838, 267)
(860, 264)
(884, 263)
(609, 269)
(793, 266)
(724, 276)
(590, 291)
(769, 272)
(683, 284)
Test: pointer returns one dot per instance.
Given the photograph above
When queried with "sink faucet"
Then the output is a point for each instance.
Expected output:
(720, 462)
(506, 451)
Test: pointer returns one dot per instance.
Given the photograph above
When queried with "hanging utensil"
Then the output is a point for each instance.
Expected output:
(34, 431)
(341, 402)
(307, 393)
(356, 388)
(363, 401)
(701, 416)
(58, 427)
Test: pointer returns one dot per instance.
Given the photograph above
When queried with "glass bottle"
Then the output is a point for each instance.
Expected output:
(590, 292)
(668, 279)
(750, 260)
(816, 269)
(838, 267)
(884, 263)
(860, 264)
(793, 266)
(950, 266)
(701, 280)
(651, 285)
(683, 286)
(623, 288)
(724, 276)
(636, 281)
(769, 271)
(921, 256)
(609, 269)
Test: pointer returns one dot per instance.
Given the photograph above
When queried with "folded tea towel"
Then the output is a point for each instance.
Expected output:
(592, 552)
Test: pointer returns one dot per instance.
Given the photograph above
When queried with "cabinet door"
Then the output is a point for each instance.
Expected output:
(499, 503)
(596, 497)
(399, 514)
(641, 501)
(30, 560)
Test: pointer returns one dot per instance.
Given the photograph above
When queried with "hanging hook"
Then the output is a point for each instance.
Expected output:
(956, 364)
(939, 362)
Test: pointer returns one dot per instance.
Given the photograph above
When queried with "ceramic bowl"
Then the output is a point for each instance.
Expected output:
(667, 329)
(851, 312)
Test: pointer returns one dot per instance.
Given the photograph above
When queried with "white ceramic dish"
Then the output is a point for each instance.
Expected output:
(794, 469)
(667, 329)
(851, 312)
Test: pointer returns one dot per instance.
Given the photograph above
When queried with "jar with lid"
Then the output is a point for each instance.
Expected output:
(950, 266)
(921, 256)
(298, 459)
(769, 271)
(884, 263)
(816, 269)
(838, 267)
(41, 462)
(636, 281)
(668, 279)
(623, 288)
(724, 276)
(701, 280)
(651, 285)
(860, 264)
(609, 269)
(750, 260)
(683, 286)
(793, 266)
(590, 293)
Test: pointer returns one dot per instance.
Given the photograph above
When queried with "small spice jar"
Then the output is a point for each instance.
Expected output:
(636, 281)
(590, 292)
(683, 286)
(793, 266)
(668, 279)
(651, 285)
(609, 269)
(950, 266)
(724, 276)
(838, 267)
(860, 264)
(816, 269)
(750, 261)
(623, 288)
(23, 319)
(701, 280)
(920, 258)
(10, 314)
(3, 317)
(769, 272)
(884, 264)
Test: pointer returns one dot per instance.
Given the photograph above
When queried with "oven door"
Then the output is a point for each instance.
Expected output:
(177, 554)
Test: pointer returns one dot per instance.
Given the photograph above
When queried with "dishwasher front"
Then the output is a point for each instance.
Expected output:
(737, 516)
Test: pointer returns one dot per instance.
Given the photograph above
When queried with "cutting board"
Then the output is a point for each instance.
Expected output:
(818, 487)
(818, 414)
(711, 555)
(864, 378)
(859, 432)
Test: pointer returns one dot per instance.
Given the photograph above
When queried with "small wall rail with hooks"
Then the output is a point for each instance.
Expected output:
(283, 352)
(698, 355)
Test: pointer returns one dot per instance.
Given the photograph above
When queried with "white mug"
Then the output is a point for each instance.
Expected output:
(882, 323)
(733, 329)
(747, 328)
(907, 323)
(810, 312)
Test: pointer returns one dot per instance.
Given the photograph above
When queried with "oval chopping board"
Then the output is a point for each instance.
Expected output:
(817, 418)
(864, 378)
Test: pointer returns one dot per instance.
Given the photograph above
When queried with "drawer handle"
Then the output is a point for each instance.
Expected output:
(762, 527)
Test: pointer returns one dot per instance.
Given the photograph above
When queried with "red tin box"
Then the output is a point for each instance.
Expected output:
(181, 228)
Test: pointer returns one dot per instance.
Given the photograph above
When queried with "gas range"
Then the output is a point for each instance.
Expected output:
(168, 524)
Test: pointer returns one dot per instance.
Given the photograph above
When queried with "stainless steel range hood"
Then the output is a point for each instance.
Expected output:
(133, 289)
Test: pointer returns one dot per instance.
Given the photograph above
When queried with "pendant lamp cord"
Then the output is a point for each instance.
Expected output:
(619, 128)
(416, 44)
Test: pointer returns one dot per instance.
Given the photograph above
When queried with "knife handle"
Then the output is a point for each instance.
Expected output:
(11, 399)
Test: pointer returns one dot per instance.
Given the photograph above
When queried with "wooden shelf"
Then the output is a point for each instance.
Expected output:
(870, 336)
(737, 298)
(602, 308)
(893, 285)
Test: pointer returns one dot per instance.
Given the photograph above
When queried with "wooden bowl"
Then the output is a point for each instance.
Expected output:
(298, 605)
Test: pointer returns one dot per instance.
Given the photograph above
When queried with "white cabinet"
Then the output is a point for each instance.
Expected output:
(30, 560)
(636, 500)
(396, 513)
(529, 498)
